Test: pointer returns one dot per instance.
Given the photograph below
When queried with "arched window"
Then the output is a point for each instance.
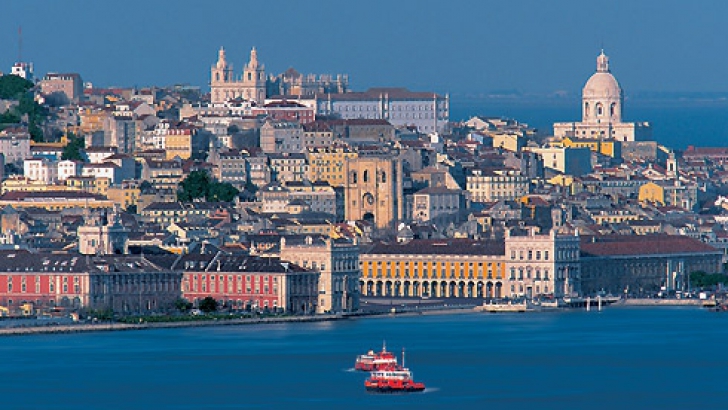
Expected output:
(384, 177)
(354, 177)
(250, 76)
(612, 109)
(366, 175)
(586, 109)
(599, 109)
(217, 76)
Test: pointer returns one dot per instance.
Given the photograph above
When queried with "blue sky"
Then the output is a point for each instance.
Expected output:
(532, 46)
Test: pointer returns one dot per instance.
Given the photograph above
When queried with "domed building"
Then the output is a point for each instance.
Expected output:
(601, 107)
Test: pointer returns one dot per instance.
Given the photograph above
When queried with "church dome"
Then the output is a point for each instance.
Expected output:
(602, 83)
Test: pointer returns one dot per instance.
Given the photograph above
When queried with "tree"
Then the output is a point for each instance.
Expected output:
(194, 186)
(12, 86)
(73, 149)
(700, 279)
(208, 304)
(221, 192)
(198, 185)
(182, 305)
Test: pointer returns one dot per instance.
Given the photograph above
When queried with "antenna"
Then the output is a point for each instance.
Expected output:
(20, 43)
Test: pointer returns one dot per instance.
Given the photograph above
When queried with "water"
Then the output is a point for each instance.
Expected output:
(666, 358)
(675, 123)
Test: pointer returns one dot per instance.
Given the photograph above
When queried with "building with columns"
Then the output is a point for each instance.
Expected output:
(542, 264)
(225, 86)
(337, 262)
(601, 108)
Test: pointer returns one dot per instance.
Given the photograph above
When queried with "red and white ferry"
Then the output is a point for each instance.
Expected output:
(376, 361)
(393, 380)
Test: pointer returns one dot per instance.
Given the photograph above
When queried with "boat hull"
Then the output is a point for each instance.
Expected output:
(394, 390)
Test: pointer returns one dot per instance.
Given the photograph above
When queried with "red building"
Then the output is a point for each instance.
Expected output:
(287, 111)
(126, 284)
(242, 282)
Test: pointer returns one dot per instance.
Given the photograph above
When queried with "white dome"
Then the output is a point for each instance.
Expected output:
(602, 84)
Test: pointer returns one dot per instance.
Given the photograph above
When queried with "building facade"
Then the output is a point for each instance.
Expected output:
(427, 111)
(225, 86)
(336, 260)
(374, 190)
(461, 268)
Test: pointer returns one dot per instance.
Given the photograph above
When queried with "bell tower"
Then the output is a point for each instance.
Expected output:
(254, 79)
(221, 75)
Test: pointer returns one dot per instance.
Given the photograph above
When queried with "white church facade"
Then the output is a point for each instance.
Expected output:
(225, 86)
(601, 106)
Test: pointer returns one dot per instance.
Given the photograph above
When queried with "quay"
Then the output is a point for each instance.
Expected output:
(99, 327)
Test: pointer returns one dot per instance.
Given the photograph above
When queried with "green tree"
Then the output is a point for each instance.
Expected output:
(208, 304)
(11, 86)
(199, 185)
(221, 192)
(700, 279)
(72, 150)
(194, 186)
(183, 305)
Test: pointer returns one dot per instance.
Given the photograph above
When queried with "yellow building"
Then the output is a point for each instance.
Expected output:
(178, 143)
(55, 200)
(461, 268)
(610, 148)
(125, 195)
(327, 164)
(509, 141)
(24, 184)
(652, 193)
(92, 119)
(92, 185)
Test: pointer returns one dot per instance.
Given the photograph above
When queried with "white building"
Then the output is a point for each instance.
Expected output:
(23, 70)
(602, 102)
(68, 168)
(497, 185)
(545, 264)
(427, 111)
(225, 86)
(41, 169)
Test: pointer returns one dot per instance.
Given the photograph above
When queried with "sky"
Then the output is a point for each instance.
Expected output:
(458, 47)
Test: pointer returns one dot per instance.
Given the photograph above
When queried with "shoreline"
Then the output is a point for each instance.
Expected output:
(406, 310)
(106, 327)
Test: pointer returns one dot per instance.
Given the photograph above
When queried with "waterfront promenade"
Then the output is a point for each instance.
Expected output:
(371, 307)
(106, 326)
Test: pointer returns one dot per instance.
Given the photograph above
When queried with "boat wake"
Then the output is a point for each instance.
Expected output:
(431, 389)
(350, 370)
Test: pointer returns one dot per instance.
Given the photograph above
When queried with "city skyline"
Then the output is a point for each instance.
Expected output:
(460, 48)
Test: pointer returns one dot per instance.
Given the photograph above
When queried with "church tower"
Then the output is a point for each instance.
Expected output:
(221, 77)
(254, 79)
(374, 190)
(672, 166)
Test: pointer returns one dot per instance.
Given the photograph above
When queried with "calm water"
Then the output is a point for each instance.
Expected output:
(620, 358)
(675, 123)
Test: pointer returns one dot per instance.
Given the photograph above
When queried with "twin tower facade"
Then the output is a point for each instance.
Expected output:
(224, 85)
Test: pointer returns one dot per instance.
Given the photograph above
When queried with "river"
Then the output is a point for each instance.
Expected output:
(617, 358)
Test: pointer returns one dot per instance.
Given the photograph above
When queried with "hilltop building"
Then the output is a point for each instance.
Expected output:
(601, 105)
(225, 86)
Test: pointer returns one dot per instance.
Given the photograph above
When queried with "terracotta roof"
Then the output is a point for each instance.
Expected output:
(629, 245)
(440, 247)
